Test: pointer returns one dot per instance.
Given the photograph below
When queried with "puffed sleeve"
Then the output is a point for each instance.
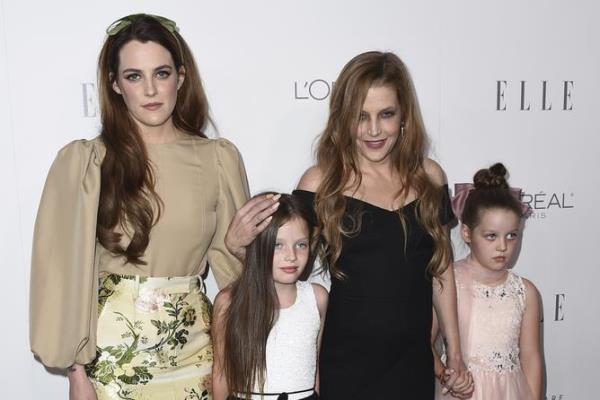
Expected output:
(233, 193)
(64, 276)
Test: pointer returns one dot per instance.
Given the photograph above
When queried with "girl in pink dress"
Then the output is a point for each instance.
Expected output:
(498, 311)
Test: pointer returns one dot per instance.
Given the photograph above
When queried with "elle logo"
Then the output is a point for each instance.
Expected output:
(540, 93)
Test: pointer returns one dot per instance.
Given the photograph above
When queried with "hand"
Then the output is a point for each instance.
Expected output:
(80, 387)
(457, 380)
(248, 222)
(439, 368)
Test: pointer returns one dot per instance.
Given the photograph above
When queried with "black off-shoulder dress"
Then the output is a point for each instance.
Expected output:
(376, 339)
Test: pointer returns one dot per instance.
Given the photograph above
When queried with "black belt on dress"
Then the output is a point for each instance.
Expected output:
(280, 396)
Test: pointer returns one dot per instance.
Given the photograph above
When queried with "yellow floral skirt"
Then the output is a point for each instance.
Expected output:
(153, 339)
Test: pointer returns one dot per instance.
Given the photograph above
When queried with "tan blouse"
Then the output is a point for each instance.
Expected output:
(201, 182)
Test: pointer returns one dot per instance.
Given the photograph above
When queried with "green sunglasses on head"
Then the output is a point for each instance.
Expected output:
(124, 22)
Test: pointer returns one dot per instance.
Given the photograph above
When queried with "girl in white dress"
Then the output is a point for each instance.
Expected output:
(267, 324)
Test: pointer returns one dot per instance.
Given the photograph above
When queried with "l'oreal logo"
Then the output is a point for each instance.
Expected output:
(317, 89)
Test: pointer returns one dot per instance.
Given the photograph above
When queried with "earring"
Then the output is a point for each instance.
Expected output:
(402, 129)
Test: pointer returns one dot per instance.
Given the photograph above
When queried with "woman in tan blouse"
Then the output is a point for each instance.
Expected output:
(127, 223)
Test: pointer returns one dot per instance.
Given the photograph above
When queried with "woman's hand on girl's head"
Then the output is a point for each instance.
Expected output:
(248, 222)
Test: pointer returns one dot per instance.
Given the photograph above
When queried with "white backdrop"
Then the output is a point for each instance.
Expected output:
(268, 67)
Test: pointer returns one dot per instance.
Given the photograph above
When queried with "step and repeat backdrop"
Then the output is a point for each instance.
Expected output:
(512, 81)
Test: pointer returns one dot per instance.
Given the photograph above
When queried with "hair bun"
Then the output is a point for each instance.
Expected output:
(493, 177)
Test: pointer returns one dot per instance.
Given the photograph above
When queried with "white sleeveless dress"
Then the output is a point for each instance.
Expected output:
(292, 348)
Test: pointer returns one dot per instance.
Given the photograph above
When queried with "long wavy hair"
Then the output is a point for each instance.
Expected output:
(254, 306)
(336, 156)
(127, 196)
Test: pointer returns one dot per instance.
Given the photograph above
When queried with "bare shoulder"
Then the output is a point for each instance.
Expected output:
(530, 289)
(311, 179)
(434, 171)
(322, 296)
(320, 292)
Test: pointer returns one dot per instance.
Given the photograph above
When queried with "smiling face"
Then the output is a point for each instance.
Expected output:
(148, 81)
(494, 239)
(292, 249)
(379, 124)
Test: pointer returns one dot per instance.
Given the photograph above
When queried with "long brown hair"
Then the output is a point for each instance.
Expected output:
(337, 155)
(254, 305)
(127, 196)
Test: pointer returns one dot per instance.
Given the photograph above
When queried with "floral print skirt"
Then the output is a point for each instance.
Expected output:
(153, 339)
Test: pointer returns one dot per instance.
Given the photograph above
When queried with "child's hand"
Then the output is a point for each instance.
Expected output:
(458, 381)
(456, 391)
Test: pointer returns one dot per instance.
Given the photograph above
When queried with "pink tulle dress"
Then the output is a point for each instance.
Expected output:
(490, 323)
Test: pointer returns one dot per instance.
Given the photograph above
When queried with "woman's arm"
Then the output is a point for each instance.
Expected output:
(529, 341)
(80, 387)
(233, 193)
(64, 273)
(322, 298)
(438, 366)
(219, 381)
(444, 300)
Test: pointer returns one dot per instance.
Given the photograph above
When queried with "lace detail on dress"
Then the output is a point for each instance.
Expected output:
(292, 345)
(497, 314)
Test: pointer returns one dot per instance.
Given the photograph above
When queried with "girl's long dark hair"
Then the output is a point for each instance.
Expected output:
(127, 197)
(253, 306)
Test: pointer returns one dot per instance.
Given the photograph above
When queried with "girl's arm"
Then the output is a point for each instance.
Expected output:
(444, 301)
(529, 341)
(219, 382)
(322, 298)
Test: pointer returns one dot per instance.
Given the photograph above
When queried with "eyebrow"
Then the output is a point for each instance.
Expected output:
(166, 66)
(388, 108)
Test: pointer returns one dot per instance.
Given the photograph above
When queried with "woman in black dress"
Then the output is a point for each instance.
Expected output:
(382, 207)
